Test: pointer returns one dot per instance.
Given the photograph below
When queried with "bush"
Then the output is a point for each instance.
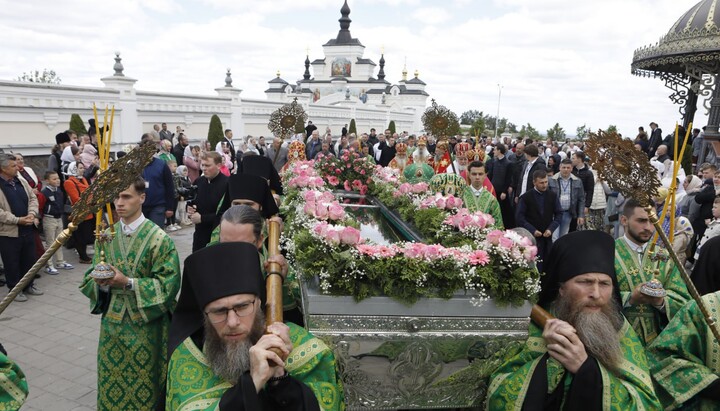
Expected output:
(77, 125)
(391, 127)
(215, 132)
(353, 127)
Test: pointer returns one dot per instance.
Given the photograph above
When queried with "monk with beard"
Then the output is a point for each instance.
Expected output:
(588, 357)
(221, 355)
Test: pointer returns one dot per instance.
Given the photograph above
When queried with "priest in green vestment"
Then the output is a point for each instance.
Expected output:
(135, 305)
(637, 262)
(219, 357)
(13, 386)
(587, 358)
(255, 192)
(477, 198)
(685, 359)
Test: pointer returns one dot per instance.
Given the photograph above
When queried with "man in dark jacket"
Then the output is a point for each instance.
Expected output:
(539, 212)
(523, 176)
(211, 200)
(310, 128)
(706, 197)
(500, 172)
(179, 149)
(387, 150)
(581, 171)
(655, 139)
(160, 193)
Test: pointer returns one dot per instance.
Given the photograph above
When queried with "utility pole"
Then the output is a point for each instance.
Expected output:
(497, 119)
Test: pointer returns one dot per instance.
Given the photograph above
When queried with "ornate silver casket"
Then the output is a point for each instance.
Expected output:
(424, 356)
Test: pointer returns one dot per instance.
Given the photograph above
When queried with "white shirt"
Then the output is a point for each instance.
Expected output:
(528, 166)
(476, 192)
(637, 249)
(129, 229)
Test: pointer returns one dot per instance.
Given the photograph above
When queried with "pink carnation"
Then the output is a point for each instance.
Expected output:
(479, 257)
(346, 185)
(333, 181)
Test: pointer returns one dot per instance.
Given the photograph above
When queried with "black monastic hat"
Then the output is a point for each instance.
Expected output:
(577, 253)
(62, 138)
(263, 167)
(252, 187)
(211, 273)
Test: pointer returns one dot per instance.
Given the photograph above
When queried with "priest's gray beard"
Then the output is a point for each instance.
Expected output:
(230, 360)
(460, 167)
(598, 330)
(401, 161)
(421, 155)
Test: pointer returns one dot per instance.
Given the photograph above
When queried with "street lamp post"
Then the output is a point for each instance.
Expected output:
(497, 119)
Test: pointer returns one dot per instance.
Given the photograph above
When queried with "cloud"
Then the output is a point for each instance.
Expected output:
(558, 60)
(432, 15)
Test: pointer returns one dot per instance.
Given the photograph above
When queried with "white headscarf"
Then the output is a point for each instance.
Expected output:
(67, 155)
(72, 169)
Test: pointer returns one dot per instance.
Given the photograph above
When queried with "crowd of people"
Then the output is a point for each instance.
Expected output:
(168, 341)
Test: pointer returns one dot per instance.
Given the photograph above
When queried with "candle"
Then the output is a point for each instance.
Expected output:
(109, 214)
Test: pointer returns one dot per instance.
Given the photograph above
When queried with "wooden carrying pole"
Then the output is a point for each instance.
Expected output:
(539, 316)
(274, 279)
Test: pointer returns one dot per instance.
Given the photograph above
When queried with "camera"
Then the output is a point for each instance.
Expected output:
(189, 193)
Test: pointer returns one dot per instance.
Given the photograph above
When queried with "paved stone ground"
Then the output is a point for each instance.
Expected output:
(54, 337)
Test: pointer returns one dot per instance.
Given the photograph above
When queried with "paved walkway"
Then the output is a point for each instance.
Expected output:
(54, 338)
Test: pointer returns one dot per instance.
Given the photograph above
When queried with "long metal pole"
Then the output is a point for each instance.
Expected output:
(712, 324)
(28, 277)
(497, 119)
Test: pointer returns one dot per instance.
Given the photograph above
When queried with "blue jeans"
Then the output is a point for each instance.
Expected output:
(155, 214)
(564, 227)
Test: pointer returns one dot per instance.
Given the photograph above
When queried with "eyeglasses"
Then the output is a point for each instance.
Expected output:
(220, 315)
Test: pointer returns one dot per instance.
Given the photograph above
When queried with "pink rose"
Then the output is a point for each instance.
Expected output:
(530, 253)
(333, 236)
(350, 236)
(494, 236)
(321, 211)
(506, 243)
(320, 229)
(404, 188)
(309, 208)
(397, 194)
(309, 196)
(440, 202)
(336, 211)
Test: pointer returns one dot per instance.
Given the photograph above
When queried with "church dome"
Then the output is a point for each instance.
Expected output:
(694, 38)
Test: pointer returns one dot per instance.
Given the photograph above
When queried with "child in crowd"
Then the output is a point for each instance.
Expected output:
(52, 220)
(182, 187)
(171, 222)
(713, 227)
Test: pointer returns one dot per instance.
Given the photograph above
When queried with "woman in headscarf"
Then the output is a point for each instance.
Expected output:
(192, 162)
(36, 184)
(684, 234)
(75, 185)
(70, 154)
(691, 186)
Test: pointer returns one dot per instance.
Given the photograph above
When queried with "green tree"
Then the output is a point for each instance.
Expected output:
(478, 127)
(391, 127)
(470, 117)
(511, 127)
(47, 77)
(528, 131)
(582, 132)
(556, 132)
(612, 128)
(77, 125)
(353, 127)
(215, 132)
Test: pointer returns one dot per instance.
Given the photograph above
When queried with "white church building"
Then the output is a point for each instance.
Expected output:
(333, 90)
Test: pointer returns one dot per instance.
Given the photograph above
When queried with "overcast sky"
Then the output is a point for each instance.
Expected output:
(565, 61)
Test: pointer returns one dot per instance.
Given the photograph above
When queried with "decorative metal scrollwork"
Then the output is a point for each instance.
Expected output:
(283, 120)
(624, 168)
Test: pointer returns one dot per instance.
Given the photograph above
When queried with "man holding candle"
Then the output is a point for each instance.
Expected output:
(135, 306)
